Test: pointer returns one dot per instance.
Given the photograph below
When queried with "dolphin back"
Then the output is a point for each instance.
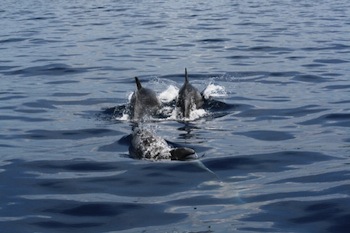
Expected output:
(143, 102)
(186, 76)
(138, 83)
(189, 98)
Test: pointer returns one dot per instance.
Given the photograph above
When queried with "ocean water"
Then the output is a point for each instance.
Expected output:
(274, 146)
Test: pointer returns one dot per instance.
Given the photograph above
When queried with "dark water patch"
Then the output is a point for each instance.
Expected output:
(332, 74)
(238, 57)
(216, 105)
(213, 40)
(153, 24)
(6, 145)
(340, 189)
(332, 47)
(129, 215)
(267, 135)
(69, 94)
(337, 87)
(270, 49)
(330, 61)
(188, 131)
(41, 42)
(94, 209)
(65, 225)
(217, 109)
(48, 60)
(102, 39)
(309, 78)
(314, 65)
(62, 82)
(272, 162)
(183, 167)
(121, 145)
(283, 74)
(7, 67)
(125, 140)
(23, 118)
(320, 216)
(11, 97)
(30, 111)
(338, 116)
(50, 104)
(56, 184)
(12, 40)
(53, 166)
(203, 200)
(183, 45)
(263, 114)
(50, 70)
(38, 18)
(130, 178)
(8, 108)
(69, 134)
(341, 102)
(333, 119)
(296, 57)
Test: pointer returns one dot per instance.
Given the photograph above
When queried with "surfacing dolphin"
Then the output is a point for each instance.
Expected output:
(146, 145)
(189, 98)
(143, 102)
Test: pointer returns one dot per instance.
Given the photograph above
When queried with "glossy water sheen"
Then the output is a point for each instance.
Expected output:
(279, 149)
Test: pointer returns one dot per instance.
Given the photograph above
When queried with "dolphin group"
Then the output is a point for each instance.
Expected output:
(144, 102)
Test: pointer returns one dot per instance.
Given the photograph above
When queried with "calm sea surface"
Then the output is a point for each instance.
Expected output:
(276, 155)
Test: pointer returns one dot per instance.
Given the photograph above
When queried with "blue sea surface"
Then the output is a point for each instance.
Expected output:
(275, 155)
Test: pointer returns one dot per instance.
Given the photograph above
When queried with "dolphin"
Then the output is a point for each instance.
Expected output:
(146, 145)
(189, 98)
(143, 102)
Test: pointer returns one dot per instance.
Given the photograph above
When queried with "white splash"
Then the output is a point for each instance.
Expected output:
(169, 94)
(124, 117)
(130, 95)
(213, 90)
(196, 114)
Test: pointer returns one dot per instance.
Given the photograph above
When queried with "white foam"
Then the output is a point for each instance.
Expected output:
(169, 94)
(172, 114)
(196, 114)
(130, 95)
(213, 90)
(124, 117)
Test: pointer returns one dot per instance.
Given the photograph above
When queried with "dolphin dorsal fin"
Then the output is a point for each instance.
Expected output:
(138, 84)
(186, 76)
